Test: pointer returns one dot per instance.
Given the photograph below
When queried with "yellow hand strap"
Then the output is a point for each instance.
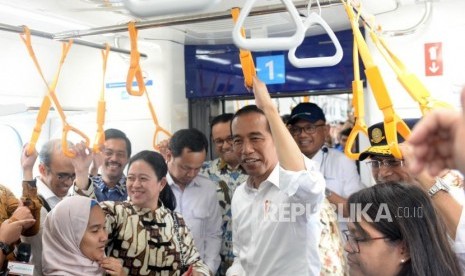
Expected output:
(247, 63)
(359, 109)
(392, 122)
(134, 68)
(409, 81)
(100, 136)
(50, 97)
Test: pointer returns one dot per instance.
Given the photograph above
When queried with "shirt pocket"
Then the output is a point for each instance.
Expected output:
(198, 222)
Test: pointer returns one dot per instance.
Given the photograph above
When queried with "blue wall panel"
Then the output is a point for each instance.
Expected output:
(213, 71)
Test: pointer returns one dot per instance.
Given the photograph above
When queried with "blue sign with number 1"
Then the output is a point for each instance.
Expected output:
(271, 69)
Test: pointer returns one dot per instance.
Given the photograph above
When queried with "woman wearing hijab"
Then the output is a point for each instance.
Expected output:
(74, 240)
(144, 231)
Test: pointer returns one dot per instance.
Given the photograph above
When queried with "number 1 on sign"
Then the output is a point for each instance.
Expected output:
(270, 69)
(270, 66)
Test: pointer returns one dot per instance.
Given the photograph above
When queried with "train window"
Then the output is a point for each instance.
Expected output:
(11, 148)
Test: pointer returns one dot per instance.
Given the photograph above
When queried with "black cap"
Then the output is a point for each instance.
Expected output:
(308, 112)
(378, 140)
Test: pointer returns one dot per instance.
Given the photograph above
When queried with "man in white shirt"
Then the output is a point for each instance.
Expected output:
(56, 177)
(282, 195)
(308, 127)
(195, 195)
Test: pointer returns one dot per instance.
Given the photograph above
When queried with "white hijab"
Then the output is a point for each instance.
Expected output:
(63, 231)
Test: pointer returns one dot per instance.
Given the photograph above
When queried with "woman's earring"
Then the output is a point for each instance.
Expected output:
(402, 261)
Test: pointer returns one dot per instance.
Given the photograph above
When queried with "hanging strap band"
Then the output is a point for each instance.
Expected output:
(359, 109)
(393, 124)
(134, 68)
(50, 97)
(100, 136)
(409, 81)
(247, 63)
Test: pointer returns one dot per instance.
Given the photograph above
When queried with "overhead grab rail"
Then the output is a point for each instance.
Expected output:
(100, 136)
(183, 20)
(270, 43)
(141, 85)
(358, 103)
(313, 19)
(50, 97)
(247, 63)
(20, 29)
(393, 124)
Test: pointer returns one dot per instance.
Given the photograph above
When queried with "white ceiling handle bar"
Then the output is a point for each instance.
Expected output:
(270, 43)
(147, 8)
(311, 20)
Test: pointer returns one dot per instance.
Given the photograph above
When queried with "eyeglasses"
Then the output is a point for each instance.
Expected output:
(63, 176)
(353, 241)
(389, 163)
(310, 129)
(219, 141)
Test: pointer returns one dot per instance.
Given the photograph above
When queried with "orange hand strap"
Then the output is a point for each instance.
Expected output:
(392, 122)
(136, 71)
(50, 97)
(100, 136)
(158, 128)
(134, 68)
(247, 63)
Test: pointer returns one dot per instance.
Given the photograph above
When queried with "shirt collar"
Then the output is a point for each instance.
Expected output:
(120, 186)
(222, 165)
(272, 179)
(44, 190)
(171, 182)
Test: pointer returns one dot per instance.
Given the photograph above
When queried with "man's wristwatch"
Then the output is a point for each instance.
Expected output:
(440, 185)
(6, 249)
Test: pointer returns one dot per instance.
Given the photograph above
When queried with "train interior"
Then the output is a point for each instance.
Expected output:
(190, 65)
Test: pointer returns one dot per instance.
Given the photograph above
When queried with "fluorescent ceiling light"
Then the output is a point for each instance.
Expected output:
(28, 15)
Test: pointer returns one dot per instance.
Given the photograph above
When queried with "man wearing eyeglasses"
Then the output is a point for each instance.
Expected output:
(111, 183)
(57, 174)
(386, 168)
(307, 125)
(227, 173)
(309, 129)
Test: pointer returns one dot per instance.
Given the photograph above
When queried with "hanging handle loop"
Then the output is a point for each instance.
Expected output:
(268, 44)
(312, 20)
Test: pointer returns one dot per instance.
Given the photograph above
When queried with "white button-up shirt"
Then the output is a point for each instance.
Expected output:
(276, 228)
(340, 174)
(199, 206)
